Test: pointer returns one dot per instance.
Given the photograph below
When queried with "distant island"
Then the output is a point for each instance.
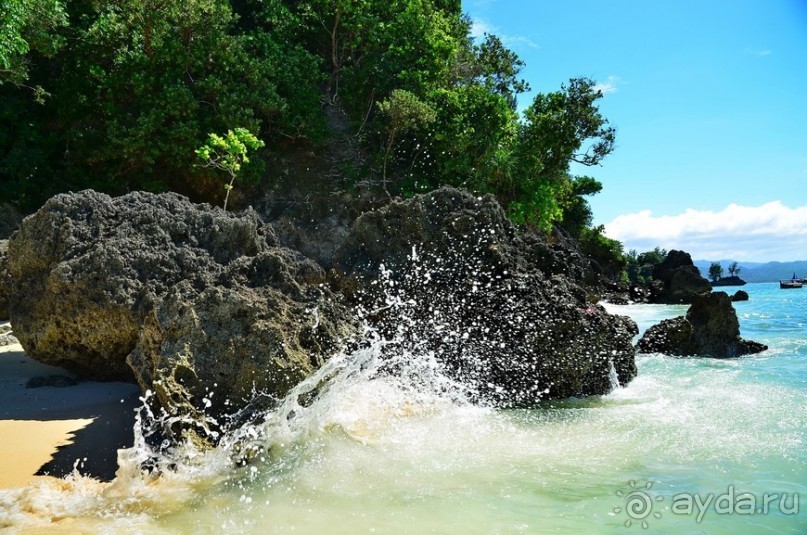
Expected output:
(759, 271)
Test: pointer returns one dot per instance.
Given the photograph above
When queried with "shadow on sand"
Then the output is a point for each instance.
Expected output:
(111, 406)
(94, 448)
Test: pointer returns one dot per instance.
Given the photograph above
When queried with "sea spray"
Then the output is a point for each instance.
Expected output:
(613, 377)
(363, 452)
(356, 393)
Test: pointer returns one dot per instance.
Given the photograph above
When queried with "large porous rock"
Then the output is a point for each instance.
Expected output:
(198, 305)
(87, 269)
(206, 353)
(5, 282)
(450, 223)
(446, 277)
(7, 337)
(710, 328)
(680, 279)
(315, 225)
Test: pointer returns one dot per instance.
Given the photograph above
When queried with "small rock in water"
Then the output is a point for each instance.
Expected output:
(740, 295)
(710, 328)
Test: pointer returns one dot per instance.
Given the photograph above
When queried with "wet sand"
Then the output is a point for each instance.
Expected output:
(49, 430)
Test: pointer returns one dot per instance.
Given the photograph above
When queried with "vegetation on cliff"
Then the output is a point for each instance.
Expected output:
(377, 96)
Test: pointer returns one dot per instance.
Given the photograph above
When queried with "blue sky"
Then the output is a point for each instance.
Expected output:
(709, 99)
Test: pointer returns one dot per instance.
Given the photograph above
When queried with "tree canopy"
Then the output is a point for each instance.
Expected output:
(28, 27)
(128, 90)
(639, 266)
(715, 271)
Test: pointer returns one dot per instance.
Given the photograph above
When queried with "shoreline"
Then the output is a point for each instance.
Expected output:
(49, 430)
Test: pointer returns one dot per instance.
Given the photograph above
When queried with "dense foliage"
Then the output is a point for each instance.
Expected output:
(138, 85)
(639, 266)
(28, 26)
(715, 271)
(394, 95)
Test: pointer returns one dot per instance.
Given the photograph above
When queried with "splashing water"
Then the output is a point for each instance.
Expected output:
(355, 448)
(613, 378)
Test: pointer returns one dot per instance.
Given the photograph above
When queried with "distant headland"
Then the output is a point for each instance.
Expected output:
(759, 271)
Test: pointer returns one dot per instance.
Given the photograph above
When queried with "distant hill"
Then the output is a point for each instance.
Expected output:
(757, 271)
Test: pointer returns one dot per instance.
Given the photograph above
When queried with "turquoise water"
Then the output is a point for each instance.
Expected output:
(380, 455)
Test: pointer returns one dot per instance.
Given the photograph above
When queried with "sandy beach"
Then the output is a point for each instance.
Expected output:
(49, 430)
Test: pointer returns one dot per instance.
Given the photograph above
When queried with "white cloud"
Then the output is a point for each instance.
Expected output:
(480, 27)
(771, 231)
(759, 52)
(514, 41)
(610, 85)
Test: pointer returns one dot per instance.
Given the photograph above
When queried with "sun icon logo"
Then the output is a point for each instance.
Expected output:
(638, 504)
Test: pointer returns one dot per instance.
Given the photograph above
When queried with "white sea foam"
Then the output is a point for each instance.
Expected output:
(355, 448)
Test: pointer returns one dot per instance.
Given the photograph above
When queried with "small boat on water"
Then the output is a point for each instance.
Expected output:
(795, 282)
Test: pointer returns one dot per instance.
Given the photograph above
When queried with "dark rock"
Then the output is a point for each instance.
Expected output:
(617, 299)
(200, 300)
(446, 274)
(203, 308)
(87, 268)
(739, 295)
(729, 281)
(5, 282)
(450, 222)
(618, 293)
(681, 280)
(710, 328)
(207, 353)
(640, 293)
(316, 225)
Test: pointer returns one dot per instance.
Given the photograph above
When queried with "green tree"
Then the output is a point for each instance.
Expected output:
(653, 257)
(497, 68)
(228, 153)
(558, 128)
(632, 266)
(715, 271)
(639, 267)
(734, 269)
(409, 94)
(470, 143)
(577, 214)
(371, 47)
(161, 73)
(139, 84)
(606, 252)
(403, 111)
(26, 27)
